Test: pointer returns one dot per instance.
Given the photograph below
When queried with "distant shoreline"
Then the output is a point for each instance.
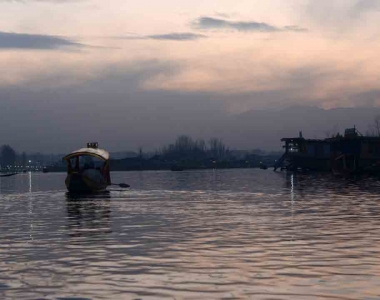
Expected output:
(63, 170)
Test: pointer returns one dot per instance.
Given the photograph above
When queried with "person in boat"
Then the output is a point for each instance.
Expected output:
(89, 170)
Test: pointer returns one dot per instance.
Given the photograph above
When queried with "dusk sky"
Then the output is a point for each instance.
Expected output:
(138, 73)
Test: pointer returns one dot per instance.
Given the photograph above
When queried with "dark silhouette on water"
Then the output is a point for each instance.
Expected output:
(263, 166)
(88, 169)
(8, 175)
(349, 155)
(122, 185)
(177, 168)
(88, 215)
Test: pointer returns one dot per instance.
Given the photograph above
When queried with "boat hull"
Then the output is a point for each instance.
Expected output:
(177, 168)
(77, 183)
(8, 175)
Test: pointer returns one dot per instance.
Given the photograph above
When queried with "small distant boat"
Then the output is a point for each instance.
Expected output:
(88, 170)
(8, 175)
(177, 168)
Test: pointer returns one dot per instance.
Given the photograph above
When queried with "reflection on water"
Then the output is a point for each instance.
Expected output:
(225, 234)
(88, 215)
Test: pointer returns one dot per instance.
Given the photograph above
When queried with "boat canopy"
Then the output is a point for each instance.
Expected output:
(98, 153)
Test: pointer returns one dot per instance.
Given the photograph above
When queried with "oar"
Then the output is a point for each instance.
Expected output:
(122, 185)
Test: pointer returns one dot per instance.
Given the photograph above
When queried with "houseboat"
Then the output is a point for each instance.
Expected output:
(350, 154)
(305, 154)
(355, 154)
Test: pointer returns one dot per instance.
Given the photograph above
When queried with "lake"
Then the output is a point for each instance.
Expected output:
(212, 234)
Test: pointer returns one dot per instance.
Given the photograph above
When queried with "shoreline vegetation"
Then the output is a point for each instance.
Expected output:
(184, 154)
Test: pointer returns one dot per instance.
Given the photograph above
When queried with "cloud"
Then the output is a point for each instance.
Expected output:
(184, 36)
(364, 6)
(215, 23)
(187, 93)
(344, 17)
(44, 1)
(294, 28)
(177, 36)
(10, 40)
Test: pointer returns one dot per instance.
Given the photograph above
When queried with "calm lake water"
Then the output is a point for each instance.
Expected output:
(223, 234)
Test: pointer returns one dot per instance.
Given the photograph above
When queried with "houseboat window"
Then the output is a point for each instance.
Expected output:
(293, 148)
(326, 149)
(73, 162)
(89, 162)
(374, 149)
(310, 149)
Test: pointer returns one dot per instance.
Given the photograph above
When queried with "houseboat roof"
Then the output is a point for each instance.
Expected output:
(357, 138)
(298, 139)
(99, 153)
(333, 139)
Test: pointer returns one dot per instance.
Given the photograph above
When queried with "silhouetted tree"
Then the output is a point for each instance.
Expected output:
(8, 156)
(374, 128)
(185, 148)
(376, 124)
(217, 148)
(201, 146)
(141, 153)
(330, 133)
(23, 159)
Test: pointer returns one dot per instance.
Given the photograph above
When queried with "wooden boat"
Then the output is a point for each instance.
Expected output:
(88, 170)
(8, 175)
(263, 167)
(176, 168)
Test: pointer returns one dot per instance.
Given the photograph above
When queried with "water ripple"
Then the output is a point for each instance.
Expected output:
(232, 234)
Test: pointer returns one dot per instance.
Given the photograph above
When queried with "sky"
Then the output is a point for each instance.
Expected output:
(132, 74)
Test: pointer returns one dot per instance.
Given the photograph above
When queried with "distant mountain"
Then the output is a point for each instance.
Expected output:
(61, 121)
(263, 129)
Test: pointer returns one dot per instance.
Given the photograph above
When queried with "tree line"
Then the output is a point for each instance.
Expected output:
(185, 148)
(188, 153)
(8, 156)
(185, 151)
